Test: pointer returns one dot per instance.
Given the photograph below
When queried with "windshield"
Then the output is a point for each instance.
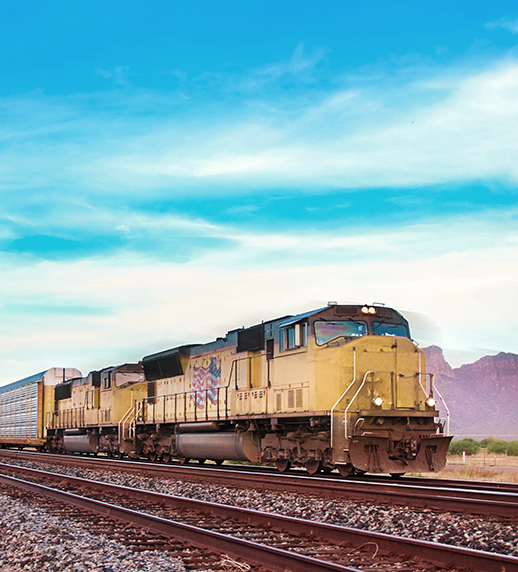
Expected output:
(384, 329)
(327, 331)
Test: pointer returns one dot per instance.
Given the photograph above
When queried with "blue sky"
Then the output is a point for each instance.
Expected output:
(171, 171)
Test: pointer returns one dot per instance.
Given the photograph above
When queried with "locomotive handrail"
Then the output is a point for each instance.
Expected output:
(426, 393)
(447, 411)
(126, 419)
(433, 388)
(249, 372)
(335, 406)
(364, 381)
(73, 417)
(341, 397)
(155, 399)
(432, 385)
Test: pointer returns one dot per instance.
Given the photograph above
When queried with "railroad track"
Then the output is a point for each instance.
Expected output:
(263, 540)
(479, 499)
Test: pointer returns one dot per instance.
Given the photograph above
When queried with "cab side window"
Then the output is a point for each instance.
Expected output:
(106, 381)
(294, 336)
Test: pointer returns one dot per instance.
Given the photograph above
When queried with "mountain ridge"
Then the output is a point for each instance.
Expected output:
(482, 396)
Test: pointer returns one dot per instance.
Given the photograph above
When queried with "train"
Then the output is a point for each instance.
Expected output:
(342, 387)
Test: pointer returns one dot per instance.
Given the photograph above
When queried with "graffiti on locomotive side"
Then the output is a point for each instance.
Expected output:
(206, 382)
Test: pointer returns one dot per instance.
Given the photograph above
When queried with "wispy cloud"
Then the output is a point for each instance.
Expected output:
(468, 132)
(505, 23)
(118, 74)
(456, 127)
(299, 62)
(85, 171)
(82, 230)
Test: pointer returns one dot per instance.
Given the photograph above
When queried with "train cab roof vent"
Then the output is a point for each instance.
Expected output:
(345, 310)
(384, 312)
(161, 367)
(95, 378)
(63, 391)
(250, 339)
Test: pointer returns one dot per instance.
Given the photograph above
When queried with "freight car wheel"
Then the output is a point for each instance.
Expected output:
(283, 465)
(345, 470)
(166, 458)
(201, 461)
(396, 475)
(313, 467)
(219, 462)
(183, 460)
(152, 456)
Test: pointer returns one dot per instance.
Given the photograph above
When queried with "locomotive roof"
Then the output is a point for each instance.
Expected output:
(288, 320)
(232, 336)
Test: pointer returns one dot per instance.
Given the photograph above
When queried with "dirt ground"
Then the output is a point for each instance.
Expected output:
(481, 467)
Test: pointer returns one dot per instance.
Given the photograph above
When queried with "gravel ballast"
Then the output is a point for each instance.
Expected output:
(33, 540)
(449, 528)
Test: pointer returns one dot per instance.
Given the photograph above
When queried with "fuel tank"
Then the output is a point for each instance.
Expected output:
(79, 442)
(219, 446)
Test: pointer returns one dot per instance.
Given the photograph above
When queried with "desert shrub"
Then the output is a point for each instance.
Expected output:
(512, 448)
(468, 446)
(498, 447)
(494, 445)
(487, 442)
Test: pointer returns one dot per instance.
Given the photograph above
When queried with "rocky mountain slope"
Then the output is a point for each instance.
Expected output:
(482, 397)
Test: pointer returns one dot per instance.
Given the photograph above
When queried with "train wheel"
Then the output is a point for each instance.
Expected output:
(166, 458)
(396, 475)
(313, 467)
(283, 465)
(345, 470)
(219, 462)
(183, 460)
(152, 456)
(201, 461)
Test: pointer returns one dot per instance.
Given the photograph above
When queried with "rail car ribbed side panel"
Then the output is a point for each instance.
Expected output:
(19, 411)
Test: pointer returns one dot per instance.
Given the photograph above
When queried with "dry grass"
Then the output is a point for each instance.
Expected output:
(482, 467)
(484, 459)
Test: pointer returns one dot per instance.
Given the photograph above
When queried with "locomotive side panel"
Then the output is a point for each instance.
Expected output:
(23, 407)
(21, 413)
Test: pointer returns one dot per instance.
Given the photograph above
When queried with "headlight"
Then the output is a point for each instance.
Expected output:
(368, 310)
(377, 401)
(431, 402)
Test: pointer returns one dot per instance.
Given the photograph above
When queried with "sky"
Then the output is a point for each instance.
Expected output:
(170, 171)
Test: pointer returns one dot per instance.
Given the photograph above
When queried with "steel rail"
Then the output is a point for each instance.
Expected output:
(429, 482)
(260, 555)
(434, 552)
(461, 498)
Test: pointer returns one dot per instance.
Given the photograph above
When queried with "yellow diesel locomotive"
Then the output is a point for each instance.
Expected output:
(342, 387)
